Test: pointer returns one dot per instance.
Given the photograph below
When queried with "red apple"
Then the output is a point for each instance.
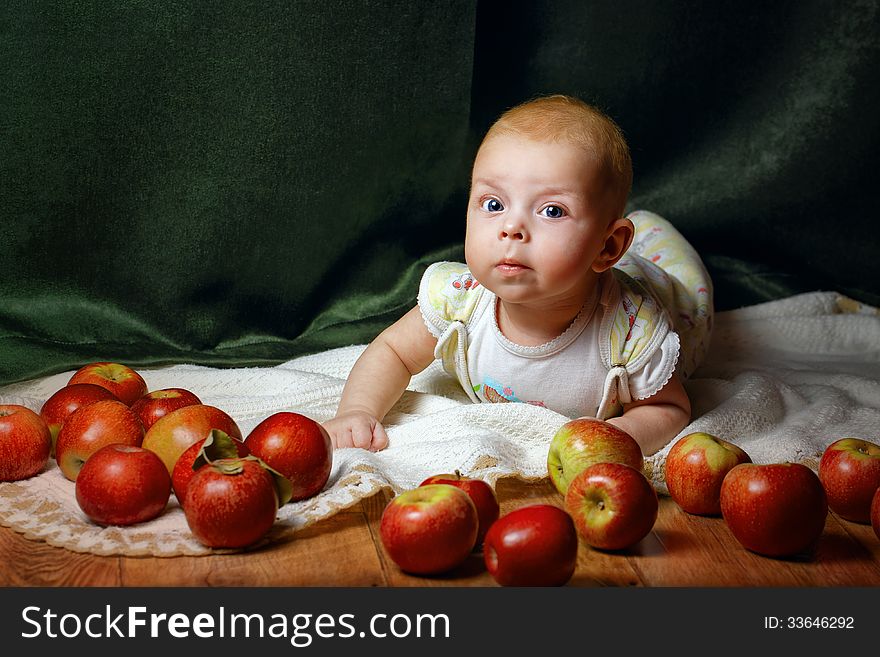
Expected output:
(171, 435)
(613, 505)
(24, 443)
(159, 403)
(123, 485)
(92, 427)
(695, 467)
(481, 495)
(126, 384)
(183, 469)
(875, 513)
(297, 447)
(850, 473)
(231, 503)
(580, 443)
(429, 529)
(68, 399)
(534, 545)
(776, 510)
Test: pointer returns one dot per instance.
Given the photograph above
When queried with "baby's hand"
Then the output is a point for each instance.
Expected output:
(357, 429)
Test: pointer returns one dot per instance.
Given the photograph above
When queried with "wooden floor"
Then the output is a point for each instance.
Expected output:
(344, 550)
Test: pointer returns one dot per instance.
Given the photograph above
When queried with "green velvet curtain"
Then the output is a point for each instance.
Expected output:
(240, 183)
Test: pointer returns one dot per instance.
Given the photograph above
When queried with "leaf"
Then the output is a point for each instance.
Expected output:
(283, 487)
(218, 445)
(220, 451)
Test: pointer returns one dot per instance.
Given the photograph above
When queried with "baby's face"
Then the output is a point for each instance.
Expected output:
(535, 223)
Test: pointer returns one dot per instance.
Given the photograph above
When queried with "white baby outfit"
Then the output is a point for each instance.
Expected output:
(650, 315)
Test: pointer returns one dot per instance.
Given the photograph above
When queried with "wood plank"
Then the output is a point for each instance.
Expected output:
(682, 550)
(835, 560)
(345, 550)
(865, 535)
(35, 563)
(335, 552)
(841, 559)
(310, 558)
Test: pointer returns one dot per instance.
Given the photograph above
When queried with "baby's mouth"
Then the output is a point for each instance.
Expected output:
(510, 266)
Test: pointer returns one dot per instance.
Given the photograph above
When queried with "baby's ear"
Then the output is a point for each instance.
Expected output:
(618, 237)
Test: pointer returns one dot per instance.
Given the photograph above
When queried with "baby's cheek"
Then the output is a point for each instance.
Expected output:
(475, 255)
(563, 259)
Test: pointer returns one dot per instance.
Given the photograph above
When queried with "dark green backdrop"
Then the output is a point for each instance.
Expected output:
(239, 183)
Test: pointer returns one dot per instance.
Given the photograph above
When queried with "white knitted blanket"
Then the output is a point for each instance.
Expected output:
(782, 380)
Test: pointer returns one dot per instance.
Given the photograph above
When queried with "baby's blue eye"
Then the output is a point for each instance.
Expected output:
(553, 212)
(492, 205)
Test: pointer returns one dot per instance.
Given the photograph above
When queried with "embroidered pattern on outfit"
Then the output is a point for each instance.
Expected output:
(465, 282)
(499, 393)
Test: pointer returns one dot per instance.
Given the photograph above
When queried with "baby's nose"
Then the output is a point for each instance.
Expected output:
(512, 229)
(512, 234)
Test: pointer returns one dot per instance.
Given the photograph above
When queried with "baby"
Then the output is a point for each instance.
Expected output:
(537, 314)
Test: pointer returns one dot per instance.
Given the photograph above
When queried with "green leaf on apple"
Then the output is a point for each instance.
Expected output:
(218, 445)
(220, 451)
(283, 486)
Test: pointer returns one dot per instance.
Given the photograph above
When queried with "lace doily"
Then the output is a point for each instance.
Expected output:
(44, 507)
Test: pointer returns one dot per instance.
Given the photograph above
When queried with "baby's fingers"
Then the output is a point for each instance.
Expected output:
(339, 436)
(380, 438)
(361, 435)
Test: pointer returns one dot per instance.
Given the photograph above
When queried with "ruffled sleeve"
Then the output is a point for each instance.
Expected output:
(656, 373)
(448, 293)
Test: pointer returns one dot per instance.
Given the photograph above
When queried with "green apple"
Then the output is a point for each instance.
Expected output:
(126, 385)
(695, 467)
(580, 443)
(850, 473)
(172, 434)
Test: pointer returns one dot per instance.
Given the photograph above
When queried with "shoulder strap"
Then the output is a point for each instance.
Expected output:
(448, 297)
(633, 328)
(448, 293)
(636, 327)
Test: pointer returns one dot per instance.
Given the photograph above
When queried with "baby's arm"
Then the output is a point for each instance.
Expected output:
(378, 379)
(655, 421)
